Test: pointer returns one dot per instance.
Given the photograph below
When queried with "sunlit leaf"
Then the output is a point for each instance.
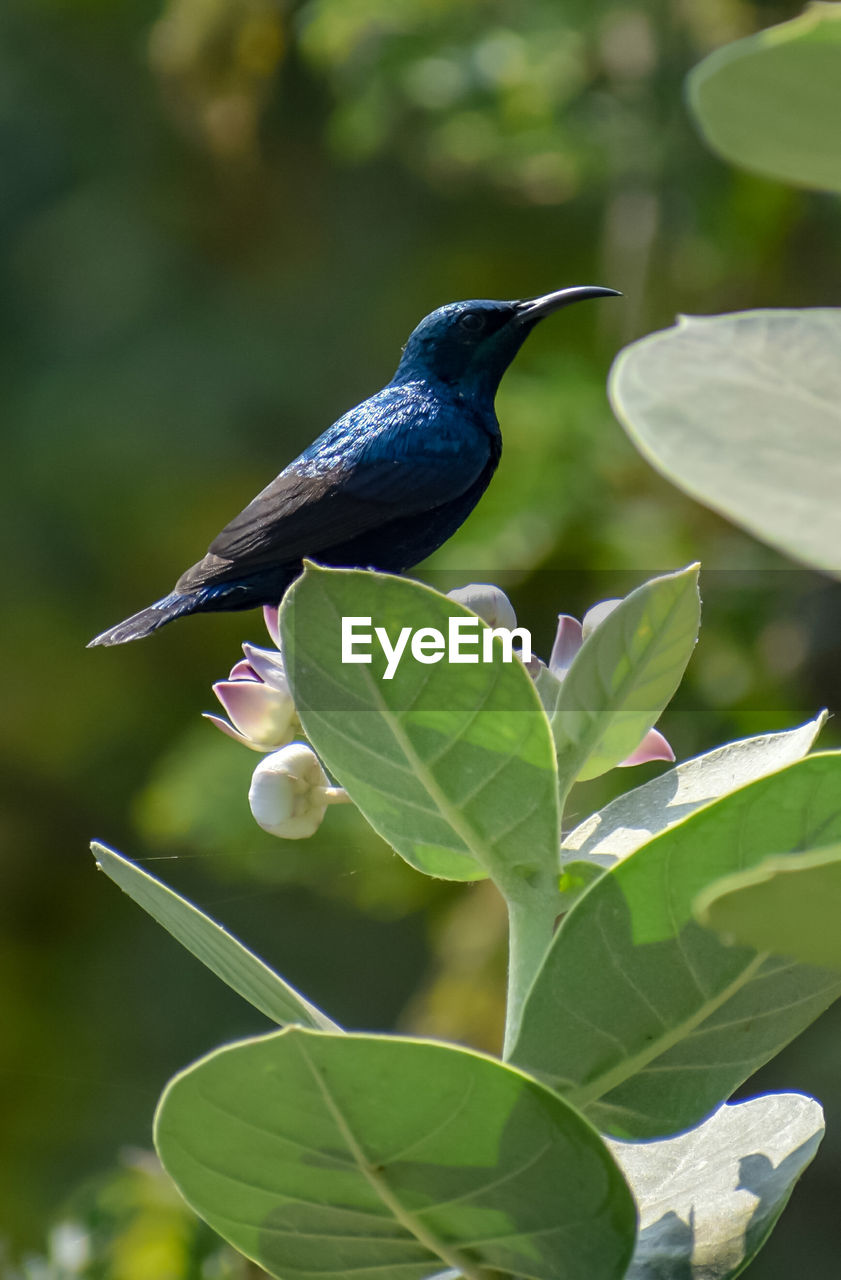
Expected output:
(709, 1198)
(223, 954)
(771, 102)
(743, 412)
(632, 819)
(388, 1159)
(624, 675)
(639, 1016)
(790, 905)
(452, 764)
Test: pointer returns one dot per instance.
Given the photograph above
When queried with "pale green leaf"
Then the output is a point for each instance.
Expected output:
(639, 1016)
(385, 1158)
(790, 905)
(632, 819)
(709, 1198)
(771, 102)
(624, 674)
(452, 764)
(223, 954)
(743, 412)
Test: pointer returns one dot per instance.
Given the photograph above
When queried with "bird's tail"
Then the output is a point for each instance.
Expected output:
(175, 605)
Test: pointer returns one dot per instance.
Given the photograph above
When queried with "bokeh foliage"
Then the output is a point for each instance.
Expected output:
(220, 220)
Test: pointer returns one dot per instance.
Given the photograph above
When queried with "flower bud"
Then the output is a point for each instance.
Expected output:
(653, 747)
(489, 602)
(568, 640)
(271, 617)
(595, 616)
(257, 697)
(266, 665)
(289, 792)
(260, 716)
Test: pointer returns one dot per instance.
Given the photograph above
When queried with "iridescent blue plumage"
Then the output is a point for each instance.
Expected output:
(386, 484)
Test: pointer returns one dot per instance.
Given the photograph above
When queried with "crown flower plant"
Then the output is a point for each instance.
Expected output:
(551, 1153)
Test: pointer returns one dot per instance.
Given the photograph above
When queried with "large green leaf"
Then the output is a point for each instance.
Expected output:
(789, 904)
(452, 764)
(624, 675)
(386, 1158)
(240, 968)
(709, 1198)
(632, 819)
(645, 1020)
(743, 412)
(772, 102)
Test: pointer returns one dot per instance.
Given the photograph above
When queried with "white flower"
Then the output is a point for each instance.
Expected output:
(290, 792)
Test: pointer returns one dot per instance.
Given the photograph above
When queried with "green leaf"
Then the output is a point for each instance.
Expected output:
(624, 675)
(384, 1158)
(632, 819)
(452, 764)
(790, 905)
(223, 954)
(709, 1198)
(743, 412)
(771, 102)
(575, 879)
(646, 1021)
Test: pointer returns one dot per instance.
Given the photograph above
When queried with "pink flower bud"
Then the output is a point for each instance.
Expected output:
(267, 665)
(271, 617)
(653, 747)
(261, 717)
(568, 640)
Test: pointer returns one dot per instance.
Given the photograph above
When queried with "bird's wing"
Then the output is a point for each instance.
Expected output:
(353, 479)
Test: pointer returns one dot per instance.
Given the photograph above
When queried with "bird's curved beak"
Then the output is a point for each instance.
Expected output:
(536, 308)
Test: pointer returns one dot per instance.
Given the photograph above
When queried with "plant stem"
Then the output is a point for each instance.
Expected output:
(532, 911)
(336, 795)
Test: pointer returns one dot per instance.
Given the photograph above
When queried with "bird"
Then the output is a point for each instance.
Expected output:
(387, 484)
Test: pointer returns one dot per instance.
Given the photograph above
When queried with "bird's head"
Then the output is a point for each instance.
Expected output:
(471, 344)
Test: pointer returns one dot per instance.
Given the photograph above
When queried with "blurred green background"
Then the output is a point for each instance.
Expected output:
(220, 220)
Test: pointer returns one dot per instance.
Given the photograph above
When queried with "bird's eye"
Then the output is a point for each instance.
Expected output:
(471, 321)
